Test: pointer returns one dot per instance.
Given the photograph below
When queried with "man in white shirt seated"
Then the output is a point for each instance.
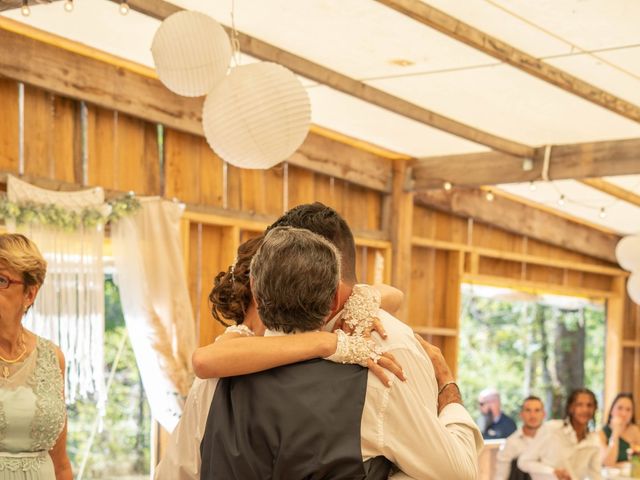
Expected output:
(532, 415)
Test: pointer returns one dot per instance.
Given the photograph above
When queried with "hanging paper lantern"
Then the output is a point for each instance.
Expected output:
(628, 253)
(191, 52)
(257, 116)
(633, 287)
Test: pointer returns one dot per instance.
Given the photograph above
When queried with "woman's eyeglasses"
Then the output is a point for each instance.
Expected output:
(5, 282)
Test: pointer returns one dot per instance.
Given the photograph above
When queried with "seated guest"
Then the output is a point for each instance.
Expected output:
(532, 415)
(566, 449)
(494, 423)
(620, 432)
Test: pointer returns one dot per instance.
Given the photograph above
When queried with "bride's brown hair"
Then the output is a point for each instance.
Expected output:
(230, 296)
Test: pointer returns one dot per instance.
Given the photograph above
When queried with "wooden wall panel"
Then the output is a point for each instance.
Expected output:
(50, 136)
(422, 291)
(102, 147)
(211, 250)
(301, 187)
(9, 120)
(181, 160)
(122, 152)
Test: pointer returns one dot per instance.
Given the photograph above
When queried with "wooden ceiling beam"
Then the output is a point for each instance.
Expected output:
(160, 9)
(518, 218)
(80, 76)
(613, 190)
(465, 33)
(573, 161)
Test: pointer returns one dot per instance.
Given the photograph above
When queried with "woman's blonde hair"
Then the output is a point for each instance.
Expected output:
(19, 253)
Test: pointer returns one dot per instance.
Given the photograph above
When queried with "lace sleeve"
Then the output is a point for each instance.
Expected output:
(239, 329)
(361, 308)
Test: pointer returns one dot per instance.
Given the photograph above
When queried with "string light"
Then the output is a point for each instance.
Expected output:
(124, 7)
(601, 211)
(447, 186)
(26, 11)
(68, 5)
(490, 196)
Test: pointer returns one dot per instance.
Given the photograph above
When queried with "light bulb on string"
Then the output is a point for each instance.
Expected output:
(124, 7)
(561, 200)
(490, 196)
(68, 5)
(602, 213)
(447, 186)
(25, 10)
(532, 186)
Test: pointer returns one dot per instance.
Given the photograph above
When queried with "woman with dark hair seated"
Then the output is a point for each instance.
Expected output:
(620, 432)
(566, 449)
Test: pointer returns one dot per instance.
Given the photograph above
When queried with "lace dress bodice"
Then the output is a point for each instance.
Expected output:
(32, 415)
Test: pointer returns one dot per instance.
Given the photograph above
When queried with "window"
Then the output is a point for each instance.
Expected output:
(522, 343)
(117, 445)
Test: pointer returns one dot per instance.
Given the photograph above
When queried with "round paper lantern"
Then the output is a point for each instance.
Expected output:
(191, 52)
(633, 287)
(257, 116)
(628, 253)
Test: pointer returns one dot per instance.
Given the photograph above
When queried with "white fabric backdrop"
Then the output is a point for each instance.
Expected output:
(69, 309)
(156, 304)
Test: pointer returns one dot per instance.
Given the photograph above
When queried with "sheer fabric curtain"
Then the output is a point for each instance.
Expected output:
(69, 309)
(156, 303)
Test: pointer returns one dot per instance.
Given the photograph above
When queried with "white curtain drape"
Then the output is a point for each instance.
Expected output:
(155, 300)
(69, 309)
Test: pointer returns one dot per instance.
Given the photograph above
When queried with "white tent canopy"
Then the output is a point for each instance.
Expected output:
(598, 41)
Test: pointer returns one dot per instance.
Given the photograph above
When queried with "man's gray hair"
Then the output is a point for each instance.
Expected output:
(295, 276)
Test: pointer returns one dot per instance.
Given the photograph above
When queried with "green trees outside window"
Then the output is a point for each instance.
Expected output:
(526, 344)
(121, 443)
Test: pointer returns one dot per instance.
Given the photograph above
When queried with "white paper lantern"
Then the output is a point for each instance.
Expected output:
(633, 287)
(257, 116)
(628, 253)
(191, 52)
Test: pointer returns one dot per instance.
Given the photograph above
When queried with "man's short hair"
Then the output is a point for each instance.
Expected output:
(530, 398)
(295, 275)
(327, 223)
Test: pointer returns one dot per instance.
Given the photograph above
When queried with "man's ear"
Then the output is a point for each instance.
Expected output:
(335, 303)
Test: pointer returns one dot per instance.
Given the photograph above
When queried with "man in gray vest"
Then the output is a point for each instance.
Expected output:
(300, 421)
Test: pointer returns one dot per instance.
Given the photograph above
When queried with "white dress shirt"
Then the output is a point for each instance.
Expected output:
(400, 422)
(513, 446)
(556, 446)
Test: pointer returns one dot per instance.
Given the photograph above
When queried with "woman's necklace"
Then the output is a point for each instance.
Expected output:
(5, 368)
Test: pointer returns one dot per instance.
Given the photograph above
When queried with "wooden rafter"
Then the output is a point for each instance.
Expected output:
(160, 9)
(13, 4)
(613, 190)
(114, 87)
(580, 160)
(465, 33)
(524, 220)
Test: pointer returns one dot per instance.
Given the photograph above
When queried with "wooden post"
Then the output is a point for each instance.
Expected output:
(613, 352)
(400, 225)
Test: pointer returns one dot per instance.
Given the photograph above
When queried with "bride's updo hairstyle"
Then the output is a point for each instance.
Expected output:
(230, 296)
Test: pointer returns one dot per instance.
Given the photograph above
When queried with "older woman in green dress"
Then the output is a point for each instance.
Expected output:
(33, 427)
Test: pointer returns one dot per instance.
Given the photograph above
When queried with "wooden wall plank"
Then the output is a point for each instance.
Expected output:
(102, 147)
(9, 121)
(38, 137)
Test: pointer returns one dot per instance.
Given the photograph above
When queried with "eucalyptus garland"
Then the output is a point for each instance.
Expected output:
(54, 215)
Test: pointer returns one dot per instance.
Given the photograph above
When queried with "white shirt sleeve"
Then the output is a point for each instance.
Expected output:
(182, 458)
(410, 433)
(530, 461)
(508, 451)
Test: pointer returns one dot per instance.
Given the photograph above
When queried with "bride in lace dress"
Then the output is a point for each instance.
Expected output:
(32, 410)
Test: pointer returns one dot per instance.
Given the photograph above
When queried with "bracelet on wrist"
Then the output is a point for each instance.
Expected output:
(446, 385)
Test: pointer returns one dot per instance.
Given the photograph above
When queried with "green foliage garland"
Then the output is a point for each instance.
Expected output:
(66, 219)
